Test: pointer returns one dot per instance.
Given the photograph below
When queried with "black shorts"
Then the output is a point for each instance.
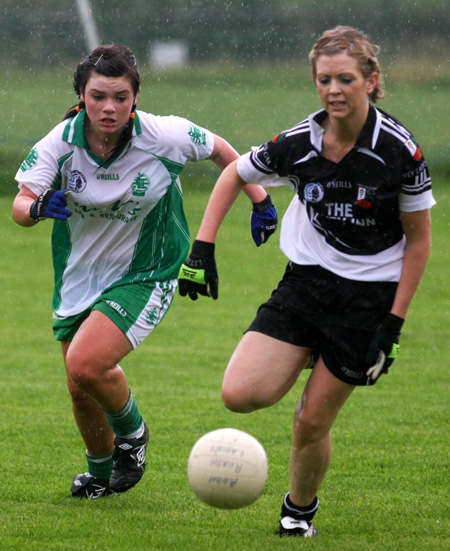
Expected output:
(338, 317)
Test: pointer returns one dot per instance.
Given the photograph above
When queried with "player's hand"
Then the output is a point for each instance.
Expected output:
(198, 275)
(264, 220)
(50, 204)
(384, 346)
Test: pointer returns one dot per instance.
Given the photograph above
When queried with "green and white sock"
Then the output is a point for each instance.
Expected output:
(128, 422)
(100, 466)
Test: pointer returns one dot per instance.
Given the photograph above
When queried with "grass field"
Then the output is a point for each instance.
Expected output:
(245, 107)
(387, 488)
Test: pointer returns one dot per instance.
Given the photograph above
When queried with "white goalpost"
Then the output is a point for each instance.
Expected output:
(88, 23)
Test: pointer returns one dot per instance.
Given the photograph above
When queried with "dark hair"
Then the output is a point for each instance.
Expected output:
(113, 60)
(354, 43)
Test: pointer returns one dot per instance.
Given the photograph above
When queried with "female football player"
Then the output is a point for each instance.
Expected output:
(357, 236)
(109, 177)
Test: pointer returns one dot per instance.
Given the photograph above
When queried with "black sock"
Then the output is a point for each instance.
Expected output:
(305, 513)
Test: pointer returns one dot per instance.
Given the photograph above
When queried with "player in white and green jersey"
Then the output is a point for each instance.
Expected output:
(109, 176)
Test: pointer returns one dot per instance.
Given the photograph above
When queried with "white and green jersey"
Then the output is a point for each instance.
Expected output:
(128, 222)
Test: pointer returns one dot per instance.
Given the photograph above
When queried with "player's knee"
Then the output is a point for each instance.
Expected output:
(232, 400)
(81, 371)
(309, 429)
(240, 401)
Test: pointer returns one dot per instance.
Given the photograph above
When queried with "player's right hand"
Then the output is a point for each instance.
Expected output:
(50, 204)
(198, 275)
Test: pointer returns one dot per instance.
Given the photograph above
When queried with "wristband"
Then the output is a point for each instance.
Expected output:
(203, 248)
(393, 323)
(262, 205)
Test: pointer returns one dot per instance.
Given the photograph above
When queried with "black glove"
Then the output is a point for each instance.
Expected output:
(199, 272)
(50, 204)
(384, 346)
(264, 220)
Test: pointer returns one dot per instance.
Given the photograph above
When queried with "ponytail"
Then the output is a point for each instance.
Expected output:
(74, 110)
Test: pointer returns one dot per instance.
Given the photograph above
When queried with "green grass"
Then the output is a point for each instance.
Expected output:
(245, 107)
(387, 488)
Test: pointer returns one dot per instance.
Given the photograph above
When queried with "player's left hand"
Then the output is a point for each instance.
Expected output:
(384, 346)
(198, 275)
(264, 220)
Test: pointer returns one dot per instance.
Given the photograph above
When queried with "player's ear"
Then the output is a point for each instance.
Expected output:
(372, 82)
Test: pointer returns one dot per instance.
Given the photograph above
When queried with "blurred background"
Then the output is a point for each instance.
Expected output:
(43, 32)
(238, 67)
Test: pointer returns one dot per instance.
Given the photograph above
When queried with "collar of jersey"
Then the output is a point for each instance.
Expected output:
(367, 138)
(74, 134)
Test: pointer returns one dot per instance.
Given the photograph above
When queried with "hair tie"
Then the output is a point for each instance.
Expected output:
(77, 108)
(132, 115)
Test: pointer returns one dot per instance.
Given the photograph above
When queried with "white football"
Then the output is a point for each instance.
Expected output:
(228, 468)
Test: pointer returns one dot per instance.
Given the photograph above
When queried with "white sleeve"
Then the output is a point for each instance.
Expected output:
(413, 203)
(182, 140)
(252, 175)
(40, 168)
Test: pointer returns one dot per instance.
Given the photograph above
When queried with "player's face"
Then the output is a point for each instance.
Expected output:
(343, 89)
(108, 101)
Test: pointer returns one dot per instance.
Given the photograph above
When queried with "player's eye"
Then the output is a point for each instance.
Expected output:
(324, 81)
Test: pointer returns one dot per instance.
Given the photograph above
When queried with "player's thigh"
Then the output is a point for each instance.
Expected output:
(261, 371)
(98, 344)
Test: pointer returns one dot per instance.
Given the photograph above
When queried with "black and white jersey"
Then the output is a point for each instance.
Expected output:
(346, 216)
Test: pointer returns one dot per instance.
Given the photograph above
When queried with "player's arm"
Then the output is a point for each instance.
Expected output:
(222, 155)
(384, 347)
(21, 207)
(198, 275)
(222, 198)
(264, 220)
(417, 230)
(29, 208)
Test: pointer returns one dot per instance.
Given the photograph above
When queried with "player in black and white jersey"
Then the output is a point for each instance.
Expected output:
(109, 177)
(357, 236)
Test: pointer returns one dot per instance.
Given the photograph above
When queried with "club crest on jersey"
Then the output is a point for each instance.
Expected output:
(414, 149)
(77, 181)
(365, 198)
(30, 161)
(314, 193)
(140, 185)
(197, 136)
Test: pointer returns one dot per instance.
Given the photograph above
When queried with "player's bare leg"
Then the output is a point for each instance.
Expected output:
(92, 360)
(103, 406)
(323, 397)
(91, 420)
(251, 382)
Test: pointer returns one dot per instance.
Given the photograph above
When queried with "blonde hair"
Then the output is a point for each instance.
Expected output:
(354, 43)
